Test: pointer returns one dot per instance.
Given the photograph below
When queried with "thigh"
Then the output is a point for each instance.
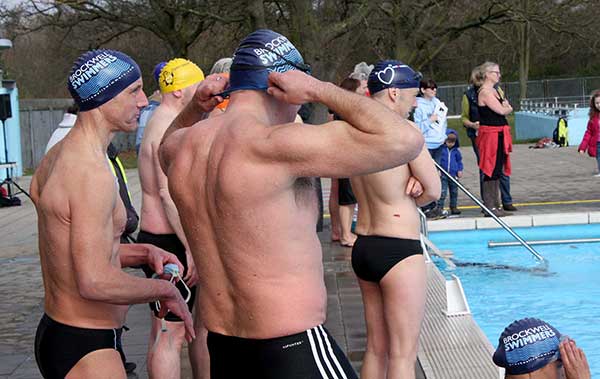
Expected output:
(374, 318)
(104, 363)
(404, 293)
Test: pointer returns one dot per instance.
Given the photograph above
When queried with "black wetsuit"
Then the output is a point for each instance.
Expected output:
(58, 347)
(312, 354)
(374, 256)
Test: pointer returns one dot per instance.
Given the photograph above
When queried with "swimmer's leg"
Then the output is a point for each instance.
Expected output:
(404, 290)
(103, 363)
(198, 349)
(164, 349)
(375, 361)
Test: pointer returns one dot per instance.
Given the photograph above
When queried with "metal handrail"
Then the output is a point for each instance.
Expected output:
(498, 220)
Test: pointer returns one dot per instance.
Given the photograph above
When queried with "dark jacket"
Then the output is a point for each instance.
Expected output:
(451, 159)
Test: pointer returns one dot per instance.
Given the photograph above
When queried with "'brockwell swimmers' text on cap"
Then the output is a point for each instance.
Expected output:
(178, 74)
(392, 74)
(527, 345)
(260, 53)
(98, 76)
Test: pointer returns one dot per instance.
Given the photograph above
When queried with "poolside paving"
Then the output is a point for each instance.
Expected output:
(539, 176)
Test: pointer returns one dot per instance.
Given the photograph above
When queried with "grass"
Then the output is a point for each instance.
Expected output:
(128, 159)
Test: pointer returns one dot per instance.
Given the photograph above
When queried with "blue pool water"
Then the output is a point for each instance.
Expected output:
(502, 284)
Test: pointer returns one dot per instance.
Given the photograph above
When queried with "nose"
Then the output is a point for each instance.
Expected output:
(142, 100)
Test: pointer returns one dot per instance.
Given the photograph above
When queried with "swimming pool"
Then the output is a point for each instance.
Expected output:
(502, 285)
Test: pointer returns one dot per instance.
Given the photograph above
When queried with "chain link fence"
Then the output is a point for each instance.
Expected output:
(542, 90)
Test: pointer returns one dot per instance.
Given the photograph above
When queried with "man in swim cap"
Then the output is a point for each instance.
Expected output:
(80, 220)
(387, 256)
(249, 208)
(160, 223)
(531, 348)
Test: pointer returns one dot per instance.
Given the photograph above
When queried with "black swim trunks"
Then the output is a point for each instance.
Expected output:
(345, 192)
(312, 354)
(172, 244)
(374, 256)
(58, 347)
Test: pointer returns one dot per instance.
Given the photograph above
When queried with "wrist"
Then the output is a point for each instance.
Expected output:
(318, 92)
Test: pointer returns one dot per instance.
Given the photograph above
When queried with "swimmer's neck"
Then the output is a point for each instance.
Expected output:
(262, 106)
(94, 129)
(171, 103)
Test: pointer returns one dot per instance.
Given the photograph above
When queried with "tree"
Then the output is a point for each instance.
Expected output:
(177, 23)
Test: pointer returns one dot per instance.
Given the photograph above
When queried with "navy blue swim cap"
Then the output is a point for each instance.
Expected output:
(99, 75)
(527, 345)
(260, 53)
(392, 74)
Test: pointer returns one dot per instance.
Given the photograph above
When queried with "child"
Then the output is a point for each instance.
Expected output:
(451, 161)
(591, 136)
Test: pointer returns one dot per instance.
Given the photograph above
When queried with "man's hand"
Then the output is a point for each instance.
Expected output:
(433, 117)
(293, 87)
(158, 258)
(475, 125)
(574, 360)
(459, 174)
(581, 152)
(191, 276)
(178, 307)
(414, 188)
(206, 94)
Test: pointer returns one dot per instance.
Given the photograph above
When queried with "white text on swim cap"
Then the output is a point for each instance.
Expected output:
(91, 68)
(277, 47)
(527, 336)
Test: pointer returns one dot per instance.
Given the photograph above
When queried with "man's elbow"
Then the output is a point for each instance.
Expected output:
(91, 289)
(413, 144)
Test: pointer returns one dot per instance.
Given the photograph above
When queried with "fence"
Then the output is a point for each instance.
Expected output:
(39, 118)
(536, 89)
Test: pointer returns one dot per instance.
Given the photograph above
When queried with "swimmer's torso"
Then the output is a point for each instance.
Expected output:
(153, 218)
(55, 189)
(383, 207)
(251, 229)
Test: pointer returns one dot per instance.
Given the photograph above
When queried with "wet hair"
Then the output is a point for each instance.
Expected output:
(350, 84)
(428, 83)
(593, 110)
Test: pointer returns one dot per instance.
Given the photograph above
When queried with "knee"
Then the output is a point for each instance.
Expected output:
(378, 346)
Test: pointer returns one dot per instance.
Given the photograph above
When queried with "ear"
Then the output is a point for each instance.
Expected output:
(178, 94)
(392, 93)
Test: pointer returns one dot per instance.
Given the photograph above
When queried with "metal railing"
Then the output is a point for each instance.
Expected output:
(537, 256)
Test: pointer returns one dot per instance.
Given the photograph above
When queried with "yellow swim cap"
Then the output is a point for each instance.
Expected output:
(178, 74)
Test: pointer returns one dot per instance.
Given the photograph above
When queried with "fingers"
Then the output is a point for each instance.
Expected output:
(410, 186)
(163, 312)
(566, 353)
(276, 93)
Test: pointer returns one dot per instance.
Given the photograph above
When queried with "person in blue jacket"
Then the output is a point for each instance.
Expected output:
(451, 161)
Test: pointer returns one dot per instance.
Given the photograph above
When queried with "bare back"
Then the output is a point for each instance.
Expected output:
(57, 186)
(383, 207)
(251, 229)
(153, 217)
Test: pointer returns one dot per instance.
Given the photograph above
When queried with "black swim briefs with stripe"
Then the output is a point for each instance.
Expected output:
(312, 354)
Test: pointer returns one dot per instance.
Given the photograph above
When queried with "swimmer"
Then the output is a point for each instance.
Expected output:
(531, 348)
(160, 225)
(80, 222)
(242, 183)
(387, 256)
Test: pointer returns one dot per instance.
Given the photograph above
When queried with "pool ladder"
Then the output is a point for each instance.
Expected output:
(504, 225)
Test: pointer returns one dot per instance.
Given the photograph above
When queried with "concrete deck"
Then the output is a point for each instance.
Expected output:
(559, 179)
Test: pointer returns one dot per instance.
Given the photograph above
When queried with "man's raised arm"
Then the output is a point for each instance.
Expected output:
(204, 101)
(371, 138)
